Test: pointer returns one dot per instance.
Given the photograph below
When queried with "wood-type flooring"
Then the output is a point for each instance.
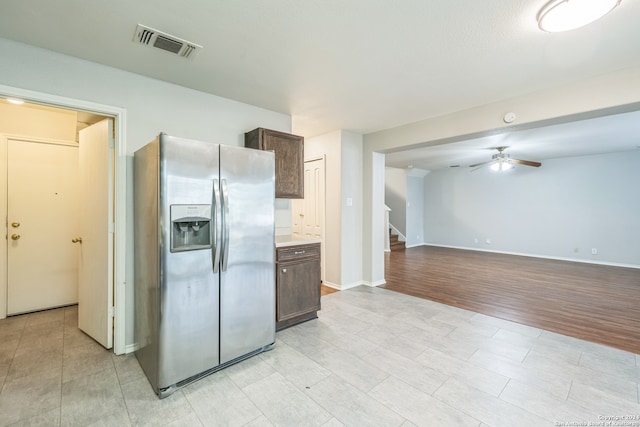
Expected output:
(592, 302)
(326, 290)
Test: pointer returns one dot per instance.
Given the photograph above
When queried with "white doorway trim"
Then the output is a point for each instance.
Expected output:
(120, 120)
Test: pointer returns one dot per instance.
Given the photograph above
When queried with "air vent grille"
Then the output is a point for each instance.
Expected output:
(167, 44)
(144, 36)
(150, 37)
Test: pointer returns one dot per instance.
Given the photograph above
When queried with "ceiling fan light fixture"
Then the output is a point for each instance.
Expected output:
(501, 166)
(564, 15)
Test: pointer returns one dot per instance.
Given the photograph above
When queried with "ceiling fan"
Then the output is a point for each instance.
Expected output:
(502, 161)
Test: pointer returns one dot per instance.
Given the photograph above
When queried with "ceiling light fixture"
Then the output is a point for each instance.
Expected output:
(563, 15)
(15, 101)
(501, 166)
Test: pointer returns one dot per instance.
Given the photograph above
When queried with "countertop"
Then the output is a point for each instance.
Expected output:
(291, 240)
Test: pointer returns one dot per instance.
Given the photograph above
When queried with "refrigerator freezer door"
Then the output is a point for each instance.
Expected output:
(247, 287)
(189, 289)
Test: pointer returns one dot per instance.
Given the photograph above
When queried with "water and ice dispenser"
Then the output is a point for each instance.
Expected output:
(190, 227)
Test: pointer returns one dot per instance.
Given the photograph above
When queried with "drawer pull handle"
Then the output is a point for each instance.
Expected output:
(299, 253)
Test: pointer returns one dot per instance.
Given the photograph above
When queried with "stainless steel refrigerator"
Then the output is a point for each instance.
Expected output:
(204, 258)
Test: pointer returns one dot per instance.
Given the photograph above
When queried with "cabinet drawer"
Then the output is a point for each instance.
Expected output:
(298, 252)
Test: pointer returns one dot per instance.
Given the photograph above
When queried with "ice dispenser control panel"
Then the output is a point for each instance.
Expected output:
(190, 227)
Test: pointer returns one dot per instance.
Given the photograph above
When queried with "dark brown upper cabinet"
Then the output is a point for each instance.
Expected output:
(289, 151)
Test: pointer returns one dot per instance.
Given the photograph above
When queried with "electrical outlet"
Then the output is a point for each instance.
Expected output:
(594, 251)
(488, 241)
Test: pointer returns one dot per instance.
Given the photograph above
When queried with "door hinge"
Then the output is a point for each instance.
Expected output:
(112, 137)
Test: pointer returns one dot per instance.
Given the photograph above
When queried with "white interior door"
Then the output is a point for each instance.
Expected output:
(308, 213)
(95, 293)
(42, 216)
(314, 203)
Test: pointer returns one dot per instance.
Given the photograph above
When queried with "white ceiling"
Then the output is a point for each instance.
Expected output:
(619, 132)
(360, 65)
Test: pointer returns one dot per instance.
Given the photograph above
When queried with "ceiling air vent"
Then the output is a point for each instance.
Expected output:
(154, 38)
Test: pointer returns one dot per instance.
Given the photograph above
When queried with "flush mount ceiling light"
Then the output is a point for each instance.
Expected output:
(15, 101)
(563, 15)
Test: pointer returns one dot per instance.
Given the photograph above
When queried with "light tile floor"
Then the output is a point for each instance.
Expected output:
(373, 358)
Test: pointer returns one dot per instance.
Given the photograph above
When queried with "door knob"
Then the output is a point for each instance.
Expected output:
(77, 240)
(15, 236)
(15, 224)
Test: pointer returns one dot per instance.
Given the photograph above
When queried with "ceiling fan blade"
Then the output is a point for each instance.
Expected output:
(481, 164)
(525, 162)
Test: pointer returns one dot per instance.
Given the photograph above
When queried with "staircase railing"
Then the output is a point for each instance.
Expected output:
(387, 243)
(401, 237)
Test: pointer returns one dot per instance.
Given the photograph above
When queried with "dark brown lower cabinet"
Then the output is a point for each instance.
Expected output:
(297, 284)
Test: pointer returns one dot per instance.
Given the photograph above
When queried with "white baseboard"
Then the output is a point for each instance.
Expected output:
(584, 261)
(374, 284)
(332, 285)
(354, 284)
(130, 348)
(342, 287)
(351, 285)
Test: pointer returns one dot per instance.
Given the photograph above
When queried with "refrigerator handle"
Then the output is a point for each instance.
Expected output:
(216, 230)
(225, 225)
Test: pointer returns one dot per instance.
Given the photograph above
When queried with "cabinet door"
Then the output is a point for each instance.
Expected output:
(298, 289)
(289, 163)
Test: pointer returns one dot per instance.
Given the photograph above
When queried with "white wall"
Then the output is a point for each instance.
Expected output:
(283, 217)
(152, 106)
(415, 210)
(373, 218)
(395, 196)
(343, 226)
(563, 209)
(351, 247)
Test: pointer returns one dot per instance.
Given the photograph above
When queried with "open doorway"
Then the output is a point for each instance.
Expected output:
(32, 131)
